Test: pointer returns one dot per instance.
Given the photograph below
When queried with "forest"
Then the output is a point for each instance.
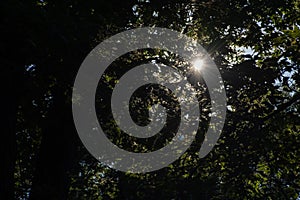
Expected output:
(255, 44)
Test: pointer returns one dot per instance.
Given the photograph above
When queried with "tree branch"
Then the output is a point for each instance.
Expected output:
(283, 106)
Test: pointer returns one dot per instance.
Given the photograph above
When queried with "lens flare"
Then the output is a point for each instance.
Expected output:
(198, 64)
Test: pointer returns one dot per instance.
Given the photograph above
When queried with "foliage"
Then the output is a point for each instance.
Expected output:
(255, 44)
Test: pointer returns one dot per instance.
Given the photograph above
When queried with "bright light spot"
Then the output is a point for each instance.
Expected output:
(198, 64)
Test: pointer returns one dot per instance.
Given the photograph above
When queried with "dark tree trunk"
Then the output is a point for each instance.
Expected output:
(56, 156)
(12, 63)
(8, 102)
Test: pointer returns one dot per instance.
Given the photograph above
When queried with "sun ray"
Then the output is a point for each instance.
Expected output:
(198, 64)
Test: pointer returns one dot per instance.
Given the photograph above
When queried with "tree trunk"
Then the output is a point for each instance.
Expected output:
(56, 156)
(8, 102)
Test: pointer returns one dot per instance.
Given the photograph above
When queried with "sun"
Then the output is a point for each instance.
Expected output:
(198, 64)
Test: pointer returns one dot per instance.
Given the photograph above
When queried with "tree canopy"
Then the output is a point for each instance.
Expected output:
(255, 45)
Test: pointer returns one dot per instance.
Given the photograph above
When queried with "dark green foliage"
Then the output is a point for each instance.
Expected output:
(42, 46)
